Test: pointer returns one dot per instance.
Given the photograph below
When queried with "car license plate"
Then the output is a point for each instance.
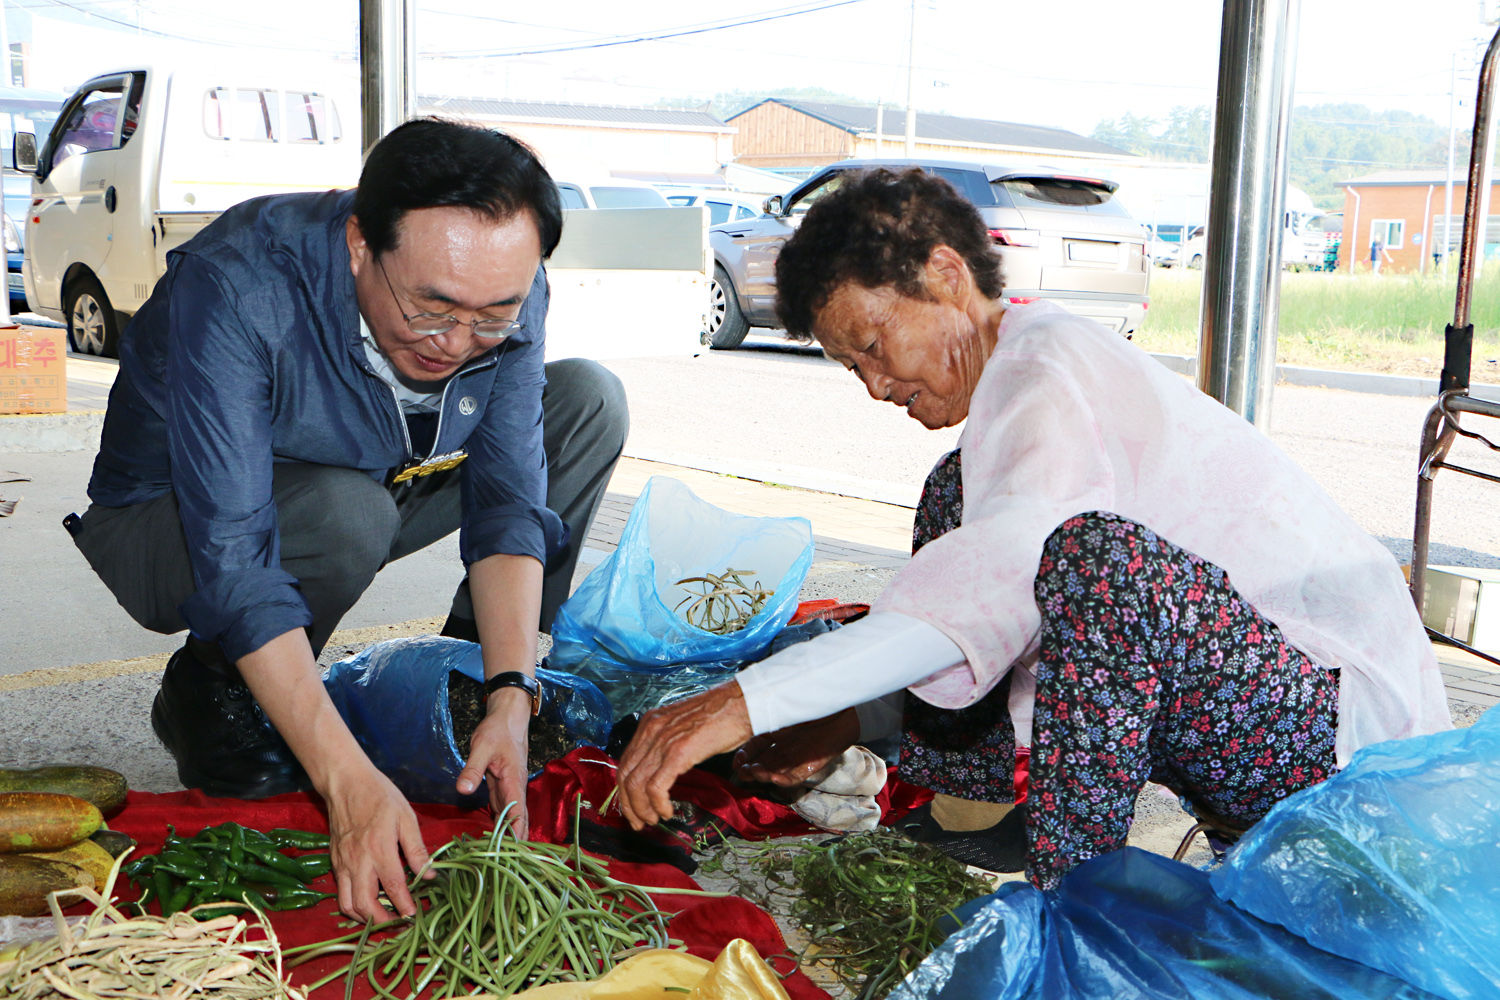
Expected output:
(17, 283)
(1094, 253)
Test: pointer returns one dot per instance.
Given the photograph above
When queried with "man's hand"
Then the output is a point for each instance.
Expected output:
(673, 739)
(788, 757)
(370, 824)
(498, 751)
(368, 819)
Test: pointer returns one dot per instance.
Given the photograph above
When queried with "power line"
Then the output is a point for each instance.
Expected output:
(643, 37)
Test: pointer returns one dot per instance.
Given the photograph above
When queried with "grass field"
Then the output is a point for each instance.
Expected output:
(1364, 322)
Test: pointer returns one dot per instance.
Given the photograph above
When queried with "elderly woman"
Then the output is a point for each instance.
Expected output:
(1121, 572)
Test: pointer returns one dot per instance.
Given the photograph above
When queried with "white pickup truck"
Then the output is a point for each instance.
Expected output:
(142, 158)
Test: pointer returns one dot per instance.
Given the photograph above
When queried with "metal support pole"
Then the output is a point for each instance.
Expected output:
(1242, 258)
(911, 64)
(387, 65)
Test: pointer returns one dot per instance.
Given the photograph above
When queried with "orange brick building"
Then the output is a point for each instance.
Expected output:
(1405, 210)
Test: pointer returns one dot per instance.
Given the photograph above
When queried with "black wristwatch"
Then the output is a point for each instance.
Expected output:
(516, 679)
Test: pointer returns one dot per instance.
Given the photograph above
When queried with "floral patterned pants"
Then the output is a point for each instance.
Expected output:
(1152, 667)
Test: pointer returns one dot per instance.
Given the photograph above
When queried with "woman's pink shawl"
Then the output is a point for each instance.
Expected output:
(1068, 418)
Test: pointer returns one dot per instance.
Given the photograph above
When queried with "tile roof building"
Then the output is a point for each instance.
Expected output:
(779, 133)
(602, 138)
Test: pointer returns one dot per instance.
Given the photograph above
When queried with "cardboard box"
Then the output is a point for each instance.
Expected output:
(1464, 602)
(33, 370)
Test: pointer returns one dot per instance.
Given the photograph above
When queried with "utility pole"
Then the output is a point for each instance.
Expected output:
(1452, 139)
(879, 125)
(10, 73)
(911, 59)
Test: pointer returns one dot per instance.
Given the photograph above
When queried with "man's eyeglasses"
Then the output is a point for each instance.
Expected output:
(431, 324)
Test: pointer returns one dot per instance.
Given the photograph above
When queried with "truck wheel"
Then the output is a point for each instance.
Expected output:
(726, 324)
(92, 328)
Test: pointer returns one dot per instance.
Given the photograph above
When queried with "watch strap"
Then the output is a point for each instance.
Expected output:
(516, 679)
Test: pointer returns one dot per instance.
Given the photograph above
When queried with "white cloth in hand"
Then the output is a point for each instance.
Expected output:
(841, 797)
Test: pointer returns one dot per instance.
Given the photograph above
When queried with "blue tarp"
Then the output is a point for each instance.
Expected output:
(1393, 862)
(1128, 926)
(394, 698)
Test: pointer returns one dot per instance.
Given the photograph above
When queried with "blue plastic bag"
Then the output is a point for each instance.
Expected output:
(1129, 925)
(1393, 862)
(620, 629)
(394, 698)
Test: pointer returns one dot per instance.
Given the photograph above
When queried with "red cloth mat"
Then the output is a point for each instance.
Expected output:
(705, 925)
(591, 773)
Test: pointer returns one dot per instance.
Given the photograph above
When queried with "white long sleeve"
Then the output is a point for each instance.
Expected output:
(858, 663)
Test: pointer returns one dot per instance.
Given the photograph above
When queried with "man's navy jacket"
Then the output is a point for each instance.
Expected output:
(249, 353)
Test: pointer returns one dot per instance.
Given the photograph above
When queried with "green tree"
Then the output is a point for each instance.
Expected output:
(1329, 144)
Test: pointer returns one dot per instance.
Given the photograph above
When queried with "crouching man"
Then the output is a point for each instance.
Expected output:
(320, 384)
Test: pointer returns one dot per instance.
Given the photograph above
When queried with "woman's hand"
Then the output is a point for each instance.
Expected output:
(370, 827)
(788, 757)
(673, 739)
(498, 751)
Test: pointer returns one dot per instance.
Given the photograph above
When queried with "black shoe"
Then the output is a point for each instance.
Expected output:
(222, 741)
(1001, 848)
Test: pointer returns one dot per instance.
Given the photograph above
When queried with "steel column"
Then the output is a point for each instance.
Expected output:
(1242, 258)
(387, 65)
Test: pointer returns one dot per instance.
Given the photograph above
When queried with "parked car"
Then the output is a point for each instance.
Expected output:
(723, 206)
(17, 188)
(1164, 253)
(612, 192)
(22, 109)
(142, 158)
(1192, 247)
(1061, 237)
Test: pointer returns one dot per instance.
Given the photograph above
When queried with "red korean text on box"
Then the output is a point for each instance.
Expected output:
(33, 371)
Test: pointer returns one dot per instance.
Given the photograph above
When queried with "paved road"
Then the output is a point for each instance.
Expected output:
(789, 417)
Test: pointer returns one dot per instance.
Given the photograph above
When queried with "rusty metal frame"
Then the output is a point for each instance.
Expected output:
(1442, 426)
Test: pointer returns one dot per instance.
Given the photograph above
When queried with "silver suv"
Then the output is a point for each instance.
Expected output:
(1063, 238)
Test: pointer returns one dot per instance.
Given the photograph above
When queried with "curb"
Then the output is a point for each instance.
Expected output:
(1381, 385)
(801, 477)
(49, 432)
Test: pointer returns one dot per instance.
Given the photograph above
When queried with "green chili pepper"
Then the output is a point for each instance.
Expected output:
(237, 846)
(177, 900)
(314, 865)
(161, 887)
(252, 872)
(274, 859)
(300, 839)
(298, 899)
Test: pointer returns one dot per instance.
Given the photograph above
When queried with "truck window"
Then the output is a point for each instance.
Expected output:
(310, 118)
(256, 115)
(250, 115)
(102, 116)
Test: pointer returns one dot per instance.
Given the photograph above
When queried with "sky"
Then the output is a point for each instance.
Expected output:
(1066, 65)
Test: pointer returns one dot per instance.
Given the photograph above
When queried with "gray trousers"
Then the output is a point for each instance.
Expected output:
(339, 527)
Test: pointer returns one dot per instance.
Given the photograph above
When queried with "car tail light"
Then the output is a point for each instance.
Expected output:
(1016, 237)
(1021, 302)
